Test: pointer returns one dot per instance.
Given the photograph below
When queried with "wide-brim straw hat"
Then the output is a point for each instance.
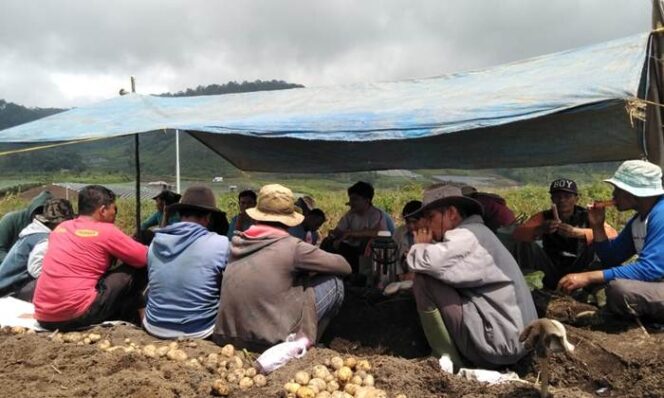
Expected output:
(438, 196)
(197, 197)
(638, 177)
(276, 204)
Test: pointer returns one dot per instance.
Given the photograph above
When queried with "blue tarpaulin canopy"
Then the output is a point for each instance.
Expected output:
(567, 107)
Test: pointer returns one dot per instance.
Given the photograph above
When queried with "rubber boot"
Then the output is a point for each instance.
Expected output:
(438, 337)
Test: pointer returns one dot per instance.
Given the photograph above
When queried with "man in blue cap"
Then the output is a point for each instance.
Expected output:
(633, 287)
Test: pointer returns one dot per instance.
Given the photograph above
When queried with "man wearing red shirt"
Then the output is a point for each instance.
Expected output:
(76, 288)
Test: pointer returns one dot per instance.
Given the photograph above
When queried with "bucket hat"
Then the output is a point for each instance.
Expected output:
(56, 211)
(276, 204)
(437, 196)
(638, 177)
(197, 197)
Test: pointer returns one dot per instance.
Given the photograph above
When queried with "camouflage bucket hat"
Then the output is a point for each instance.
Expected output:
(56, 211)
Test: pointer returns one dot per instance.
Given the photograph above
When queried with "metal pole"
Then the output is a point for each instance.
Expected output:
(177, 161)
(137, 164)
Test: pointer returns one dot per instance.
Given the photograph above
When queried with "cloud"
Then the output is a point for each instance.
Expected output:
(69, 53)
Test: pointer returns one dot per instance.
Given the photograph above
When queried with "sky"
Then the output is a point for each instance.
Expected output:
(58, 53)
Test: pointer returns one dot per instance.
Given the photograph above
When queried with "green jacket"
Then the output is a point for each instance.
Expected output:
(12, 223)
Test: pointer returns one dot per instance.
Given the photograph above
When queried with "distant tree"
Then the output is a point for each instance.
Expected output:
(234, 87)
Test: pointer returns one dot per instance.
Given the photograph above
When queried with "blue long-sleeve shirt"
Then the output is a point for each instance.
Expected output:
(650, 264)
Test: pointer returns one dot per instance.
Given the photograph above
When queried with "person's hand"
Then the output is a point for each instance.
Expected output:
(423, 235)
(569, 231)
(549, 227)
(571, 282)
(596, 215)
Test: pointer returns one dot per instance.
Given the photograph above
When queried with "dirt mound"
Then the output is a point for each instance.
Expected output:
(624, 363)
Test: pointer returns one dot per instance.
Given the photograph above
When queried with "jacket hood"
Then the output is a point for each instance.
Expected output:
(254, 239)
(35, 227)
(174, 239)
(38, 202)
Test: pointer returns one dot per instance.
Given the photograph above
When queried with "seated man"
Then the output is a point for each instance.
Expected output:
(308, 229)
(496, 212)
(76, 288)
(12, 223)
(23, 263)
(471, 296)
(276, 284)
(565, 233)
(361, 223)
(405, 234)
(164, 199)
(637, 287)
(185, 262)
(246, 200)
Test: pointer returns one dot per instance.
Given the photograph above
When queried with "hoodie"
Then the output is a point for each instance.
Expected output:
(12, 223)
(185, 264)
(265, 294)
(14, 268)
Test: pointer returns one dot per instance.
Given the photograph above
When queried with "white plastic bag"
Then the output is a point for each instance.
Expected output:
(280, 354)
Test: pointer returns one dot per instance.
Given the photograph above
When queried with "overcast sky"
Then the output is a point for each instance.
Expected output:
(70, 53)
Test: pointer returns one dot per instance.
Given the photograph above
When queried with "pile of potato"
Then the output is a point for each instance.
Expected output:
(233, 370)
(16, 330)
(336, 378)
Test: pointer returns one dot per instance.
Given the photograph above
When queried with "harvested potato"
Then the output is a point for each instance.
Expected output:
(323, 394)
(361, 373)
(128, 349)
(104, 345)
(351, 388)
(401, 396)
(127, 340)
(73, 337)
(223, 364)
(220, 388)
(193, 363)
(260, 380)
(162, 351)
(173, 345)
(350, 362)
(338, 394)
(239, 373)
(337, 363)
(356, 380)
(246, 383)
(87, 340)
(302, 378)
(94, 337)
(305, 392)
(291, 387)
(177, 355)
(368, 381)
(332, 386)
(17, 330)
(370, 392)
(320, 384)
(235, 363)
(231, 378)
(320, 371)
(329, 378)
(212, 358)
(150, 351)
(363, 364)
(30, 331)
(250, 372)
(344, 374)
(115, 348)
(228, 350)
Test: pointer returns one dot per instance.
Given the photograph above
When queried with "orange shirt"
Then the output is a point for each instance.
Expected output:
(79, 254)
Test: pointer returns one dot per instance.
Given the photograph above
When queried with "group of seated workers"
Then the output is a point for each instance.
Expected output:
(269, 282)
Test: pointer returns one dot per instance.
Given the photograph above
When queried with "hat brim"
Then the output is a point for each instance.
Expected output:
(638, 192)
(290, 220)
(471, 206)
(563, 190)
(175, 207)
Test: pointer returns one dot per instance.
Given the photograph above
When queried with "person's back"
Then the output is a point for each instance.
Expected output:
(263, 292)
(79, 256)
(23, 262)
(12, 223)
(276, 284)
(185, 264)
